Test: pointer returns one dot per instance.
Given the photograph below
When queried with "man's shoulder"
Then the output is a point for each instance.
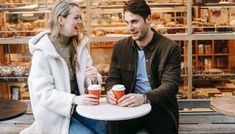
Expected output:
(124, 42)
(167, 42)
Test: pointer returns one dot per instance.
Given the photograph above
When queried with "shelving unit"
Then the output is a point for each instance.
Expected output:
(18, 23)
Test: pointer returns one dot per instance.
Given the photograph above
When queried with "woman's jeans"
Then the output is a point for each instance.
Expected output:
(83, 125)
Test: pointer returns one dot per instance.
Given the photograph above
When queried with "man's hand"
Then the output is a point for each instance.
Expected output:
(131, 100)
(111, 97)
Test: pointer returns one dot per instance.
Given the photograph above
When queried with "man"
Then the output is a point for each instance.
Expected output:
(148, 65)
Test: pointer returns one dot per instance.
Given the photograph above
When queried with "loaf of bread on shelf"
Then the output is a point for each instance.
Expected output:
(6, 31)
(24, 28)
(122, 31)
(99, 32)
(180, 28)
(3, 32)
(160, 28)
(39, 23)
(213, 70)
(21, 29)
(155, 16)
(169, 29)
(5, 70)
(8, 4)
(197, 23)
(111, 3)
(170, 24)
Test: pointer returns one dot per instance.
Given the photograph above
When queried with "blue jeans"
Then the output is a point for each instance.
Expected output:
(82, 125)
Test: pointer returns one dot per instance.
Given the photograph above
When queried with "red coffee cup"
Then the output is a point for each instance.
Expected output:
(119, 91)
(95, 90)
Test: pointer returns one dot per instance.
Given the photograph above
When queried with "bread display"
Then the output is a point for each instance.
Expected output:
(22, 28)
(165, 22)
(111, 3)
(165, 1)
(6, 31)
(205, 93)
(16, 70)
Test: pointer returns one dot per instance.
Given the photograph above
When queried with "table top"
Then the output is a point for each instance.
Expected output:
(10, 109)
(225, 105)
(106, 111)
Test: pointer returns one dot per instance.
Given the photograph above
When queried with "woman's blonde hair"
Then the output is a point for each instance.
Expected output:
(62, 8)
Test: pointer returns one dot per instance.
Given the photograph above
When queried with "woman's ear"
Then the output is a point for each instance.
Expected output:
(61, 20)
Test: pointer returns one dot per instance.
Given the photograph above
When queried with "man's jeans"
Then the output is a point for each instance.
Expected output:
(82, 125)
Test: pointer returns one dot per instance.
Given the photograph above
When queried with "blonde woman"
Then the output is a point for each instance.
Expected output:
(60, 67)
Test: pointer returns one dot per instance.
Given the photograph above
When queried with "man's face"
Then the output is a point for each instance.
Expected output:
(137, 26)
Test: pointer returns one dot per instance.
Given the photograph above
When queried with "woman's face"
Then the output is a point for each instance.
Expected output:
(70, 25)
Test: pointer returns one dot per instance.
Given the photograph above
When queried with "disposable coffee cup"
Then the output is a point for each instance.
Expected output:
(119, 91)
(95, 90)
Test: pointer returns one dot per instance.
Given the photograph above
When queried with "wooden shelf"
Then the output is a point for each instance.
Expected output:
(14, 40)
(214, 36)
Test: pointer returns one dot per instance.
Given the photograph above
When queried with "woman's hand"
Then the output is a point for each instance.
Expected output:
(91, 73)
(87, 99)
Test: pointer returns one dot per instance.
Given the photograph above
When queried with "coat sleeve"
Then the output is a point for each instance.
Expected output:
(169, 77)
(85, 61)
(114, 73)
(90, 63)
(42, 88)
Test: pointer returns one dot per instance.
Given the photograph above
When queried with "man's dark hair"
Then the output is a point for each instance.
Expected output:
(139, 7)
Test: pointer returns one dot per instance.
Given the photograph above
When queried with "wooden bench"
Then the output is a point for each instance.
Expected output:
(191, 121)
(208, 122)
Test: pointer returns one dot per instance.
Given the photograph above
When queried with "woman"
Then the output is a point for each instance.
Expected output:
(60, 66)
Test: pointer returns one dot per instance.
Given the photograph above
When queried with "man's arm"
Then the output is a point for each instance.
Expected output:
(113, 76)
(170, 78)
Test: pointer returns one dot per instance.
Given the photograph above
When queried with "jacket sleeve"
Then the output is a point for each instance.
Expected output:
(85, 61)
(114, 73)
(42, 89)
(90, 63)
(169, 76)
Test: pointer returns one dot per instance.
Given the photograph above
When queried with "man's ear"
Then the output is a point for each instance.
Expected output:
(61, 20)
(148, 19)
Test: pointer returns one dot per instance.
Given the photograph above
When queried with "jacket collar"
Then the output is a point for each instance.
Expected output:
(43, 43)
(152, 44)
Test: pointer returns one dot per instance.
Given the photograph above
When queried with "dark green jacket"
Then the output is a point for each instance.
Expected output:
(163, 60)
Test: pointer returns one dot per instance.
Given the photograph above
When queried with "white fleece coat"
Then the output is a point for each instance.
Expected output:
(49, 85)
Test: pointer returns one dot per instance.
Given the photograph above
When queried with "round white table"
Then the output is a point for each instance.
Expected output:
(108, 112)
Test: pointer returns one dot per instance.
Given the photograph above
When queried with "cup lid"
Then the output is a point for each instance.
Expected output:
(118, 87)
(94, 87)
